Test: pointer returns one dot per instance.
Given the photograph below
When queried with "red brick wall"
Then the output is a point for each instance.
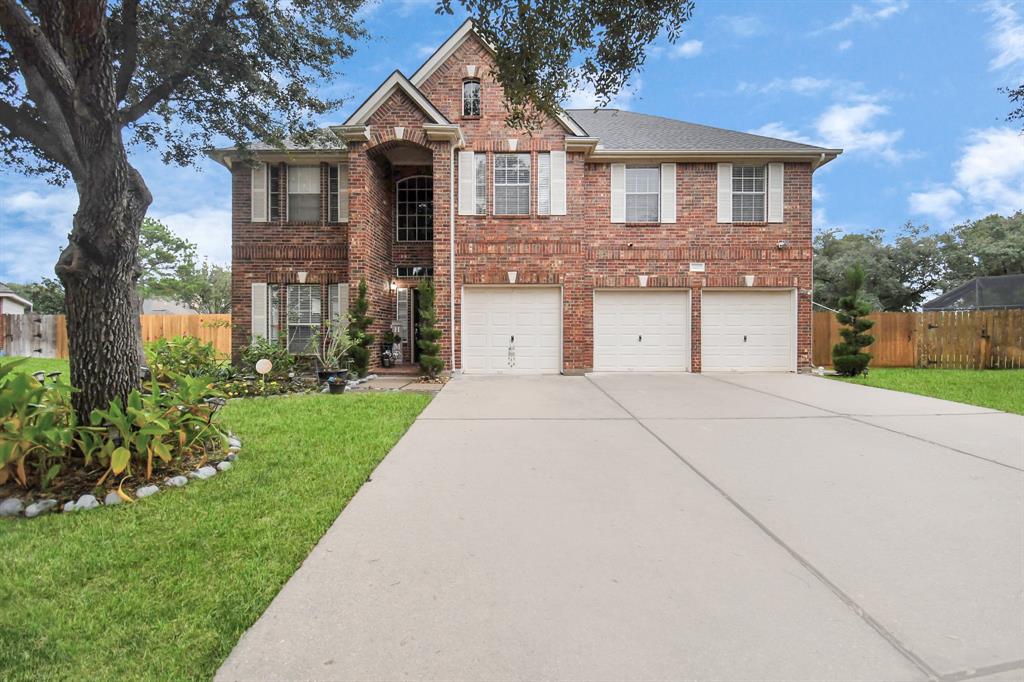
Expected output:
(579, 251)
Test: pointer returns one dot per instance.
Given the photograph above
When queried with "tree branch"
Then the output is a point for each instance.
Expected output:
(171, 83)
(21, 125)
(27, 39)
(129, 47)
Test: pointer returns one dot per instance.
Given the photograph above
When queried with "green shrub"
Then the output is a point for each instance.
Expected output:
(40, 437)
(358, 330)
(431, 362)
(275, 351)
(848, 358)
(183, 355)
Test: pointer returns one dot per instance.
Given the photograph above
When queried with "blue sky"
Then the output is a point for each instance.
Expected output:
(907, 87)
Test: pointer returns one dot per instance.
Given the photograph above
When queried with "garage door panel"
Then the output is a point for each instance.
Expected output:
(493, 316)
(641, 330)
(748, 331)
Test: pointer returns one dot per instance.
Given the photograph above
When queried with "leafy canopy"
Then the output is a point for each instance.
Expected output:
(171, 270)
(46, 295)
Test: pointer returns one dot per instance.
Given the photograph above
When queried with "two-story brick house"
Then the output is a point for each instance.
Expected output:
(604, 240)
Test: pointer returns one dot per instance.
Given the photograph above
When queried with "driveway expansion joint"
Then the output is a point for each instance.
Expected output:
(850, 603)
(856, 418)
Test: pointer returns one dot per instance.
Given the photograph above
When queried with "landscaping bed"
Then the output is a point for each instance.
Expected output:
(999, 389)
(162, 589)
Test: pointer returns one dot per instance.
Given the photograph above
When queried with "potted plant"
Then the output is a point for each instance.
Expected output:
(331, 347)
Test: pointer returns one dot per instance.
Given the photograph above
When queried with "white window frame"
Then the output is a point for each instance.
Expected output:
(763, 192)
(526, 184)
(417, 227)
(544, 183)
(294, 170)
(311, 319)
(479, 98)
(626, 194)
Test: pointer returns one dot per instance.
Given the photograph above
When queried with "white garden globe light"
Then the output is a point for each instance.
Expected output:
(264, 366)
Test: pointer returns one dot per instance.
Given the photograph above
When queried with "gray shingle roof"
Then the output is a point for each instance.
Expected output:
(617, 129)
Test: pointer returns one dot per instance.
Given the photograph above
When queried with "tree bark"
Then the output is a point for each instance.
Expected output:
(99, 269)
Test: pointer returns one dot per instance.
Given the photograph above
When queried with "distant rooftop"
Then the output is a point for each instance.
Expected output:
(628, 130)
(1002, 291)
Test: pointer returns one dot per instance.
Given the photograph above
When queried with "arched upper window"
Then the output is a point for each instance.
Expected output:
(471, 98)
(414, 210)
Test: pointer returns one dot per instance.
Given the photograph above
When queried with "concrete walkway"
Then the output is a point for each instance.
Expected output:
(655, 527)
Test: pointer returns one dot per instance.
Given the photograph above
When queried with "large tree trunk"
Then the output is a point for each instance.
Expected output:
(99, 269)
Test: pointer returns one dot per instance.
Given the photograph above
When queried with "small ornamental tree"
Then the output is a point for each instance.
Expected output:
(358, 328)
(431, 362)
(848, 359)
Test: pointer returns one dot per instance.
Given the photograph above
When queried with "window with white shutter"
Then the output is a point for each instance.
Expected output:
(337, 304)
(511, 184)
(643, 194)
(304, 194)
(775, 192)
(303, 315)
(618, 192)
(544, 183)
(668, 192)
(264, 311)
(748, 193)
(558, 183)
(258, 196)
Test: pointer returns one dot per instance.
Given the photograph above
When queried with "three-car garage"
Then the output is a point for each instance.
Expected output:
(519, 329)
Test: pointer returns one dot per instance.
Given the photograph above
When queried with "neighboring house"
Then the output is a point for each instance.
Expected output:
(604, 240)
(13, 304)
(160, 306)
(982, 293)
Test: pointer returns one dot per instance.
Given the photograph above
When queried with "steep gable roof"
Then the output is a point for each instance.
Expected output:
(620, 130)
(395, 82)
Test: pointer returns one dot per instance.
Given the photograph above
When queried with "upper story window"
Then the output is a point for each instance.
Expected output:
(304, 194)
(748, 193)
(643, 194)
(511, 184)
(414, 210)
(471, 98)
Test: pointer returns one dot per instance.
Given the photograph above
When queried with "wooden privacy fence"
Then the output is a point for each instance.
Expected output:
(45, 336)
(969, 339)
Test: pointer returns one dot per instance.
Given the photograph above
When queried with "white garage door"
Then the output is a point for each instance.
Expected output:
(748, 331)
(641, 330)
(511, 329)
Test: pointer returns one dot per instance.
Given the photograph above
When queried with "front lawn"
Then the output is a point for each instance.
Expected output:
(163, 589)
(1000, 389)
(31, 365)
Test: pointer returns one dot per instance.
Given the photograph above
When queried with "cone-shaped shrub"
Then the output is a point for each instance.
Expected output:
(431, 362)
(848, 357)
(358, 328)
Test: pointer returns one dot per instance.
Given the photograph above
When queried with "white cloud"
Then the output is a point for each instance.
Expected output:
(585, 98)
(743, 26)
(876, 12)
(1007, 37)
(779, 131)
(988, 176)
(941, 202)
(844, 45)
(800, 85)
(34, 233)
(852, 127)
(690, 48)
(209, 227)
(424, 51)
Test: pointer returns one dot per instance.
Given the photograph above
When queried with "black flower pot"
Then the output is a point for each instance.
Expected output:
(336, 379)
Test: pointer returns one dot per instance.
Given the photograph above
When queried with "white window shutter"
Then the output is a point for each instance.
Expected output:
(558, 203)
(402, 313)
(544, 183)
(338, 304)
(668, 192)
(618, 192)
(467, 184)
(343, 193)
(725, 192)
(259, 310)
(775, 192)
(258, 202)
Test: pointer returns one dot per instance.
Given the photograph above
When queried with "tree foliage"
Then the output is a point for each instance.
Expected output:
(431, 362)
(46, 295)
(902, 273)
(1016, 96)
(547, 50)
(848, 356)
(170, 269)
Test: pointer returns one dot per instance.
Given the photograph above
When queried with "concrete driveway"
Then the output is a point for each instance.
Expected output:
(656, 527)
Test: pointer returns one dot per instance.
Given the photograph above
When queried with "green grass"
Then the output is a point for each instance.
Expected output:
(163, 589)
(1000, 389)
(36, 364)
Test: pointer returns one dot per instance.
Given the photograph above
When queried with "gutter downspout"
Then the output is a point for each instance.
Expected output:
(451, 249)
